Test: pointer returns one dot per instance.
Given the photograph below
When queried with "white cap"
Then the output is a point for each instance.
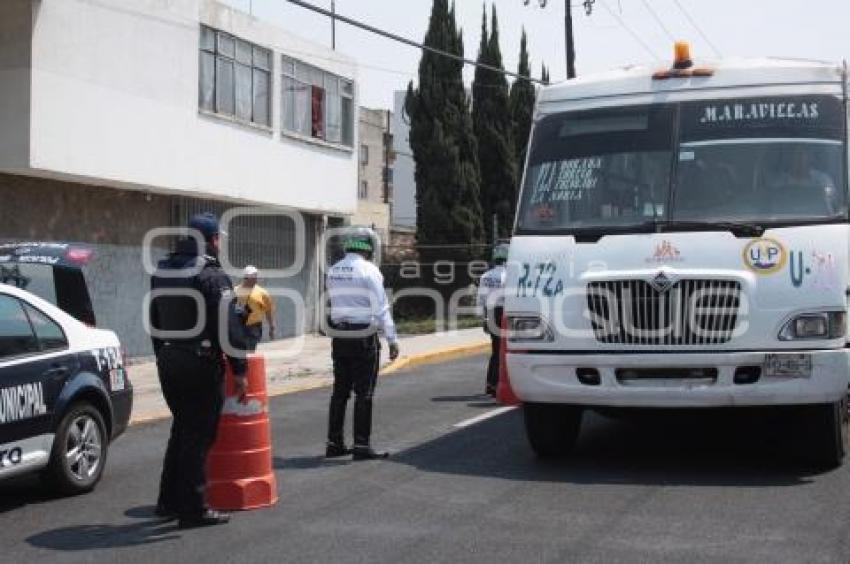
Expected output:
(251, 271)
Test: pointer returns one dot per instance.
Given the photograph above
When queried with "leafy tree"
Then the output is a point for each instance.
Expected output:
(522, 104)
(444, 149)
(491, 119)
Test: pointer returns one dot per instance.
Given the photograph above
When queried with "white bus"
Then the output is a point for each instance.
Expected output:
(681, 241)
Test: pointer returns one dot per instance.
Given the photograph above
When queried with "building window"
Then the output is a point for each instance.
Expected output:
(364, 190)
(234, 77)
(347, 105)
(364, 154)
(317, 104)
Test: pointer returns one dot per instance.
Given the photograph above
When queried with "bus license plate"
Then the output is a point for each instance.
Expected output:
(788, 365)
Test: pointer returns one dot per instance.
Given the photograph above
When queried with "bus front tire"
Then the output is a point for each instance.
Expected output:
(832, 424)
(552, 429)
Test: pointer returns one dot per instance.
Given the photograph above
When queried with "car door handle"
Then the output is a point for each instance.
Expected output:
(56, 371)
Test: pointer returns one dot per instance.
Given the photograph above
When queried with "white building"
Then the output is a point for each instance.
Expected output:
(123, 115)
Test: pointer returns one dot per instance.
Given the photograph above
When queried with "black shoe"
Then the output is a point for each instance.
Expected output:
(336, 450)
(208, 518)
(490, 391)
(165, 512)
(366, 453)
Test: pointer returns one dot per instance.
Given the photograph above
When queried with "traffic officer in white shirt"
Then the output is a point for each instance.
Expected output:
(491, 299)
(359, 308)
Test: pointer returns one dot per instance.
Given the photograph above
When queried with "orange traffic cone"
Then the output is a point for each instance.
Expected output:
(504, 391)
(239, 465)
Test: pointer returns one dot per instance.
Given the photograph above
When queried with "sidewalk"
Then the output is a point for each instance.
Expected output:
(304, 363)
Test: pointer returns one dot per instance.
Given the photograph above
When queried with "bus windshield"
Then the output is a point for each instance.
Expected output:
(765, 161)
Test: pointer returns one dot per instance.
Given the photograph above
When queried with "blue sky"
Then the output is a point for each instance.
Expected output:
(795, 28)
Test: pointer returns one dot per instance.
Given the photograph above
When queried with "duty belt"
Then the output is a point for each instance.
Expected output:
(346, 326)
(202, 348)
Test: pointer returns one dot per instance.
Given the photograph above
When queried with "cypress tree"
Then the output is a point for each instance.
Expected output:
(445, 155)
(522, 104)
(491, 118)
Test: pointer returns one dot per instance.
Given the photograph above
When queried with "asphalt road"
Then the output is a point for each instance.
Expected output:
(675, 488)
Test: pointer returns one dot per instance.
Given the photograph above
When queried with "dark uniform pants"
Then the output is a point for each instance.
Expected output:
(253, 336)
(192, 383)
(495, 342)
(356, 363)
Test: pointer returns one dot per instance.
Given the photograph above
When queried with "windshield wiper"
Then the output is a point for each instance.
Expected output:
(738, 229)
(594, 234)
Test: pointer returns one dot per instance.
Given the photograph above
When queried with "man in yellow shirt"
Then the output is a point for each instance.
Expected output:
(259, 305)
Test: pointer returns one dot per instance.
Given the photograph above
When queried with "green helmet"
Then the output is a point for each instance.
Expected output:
(500, 253)
(358, 244)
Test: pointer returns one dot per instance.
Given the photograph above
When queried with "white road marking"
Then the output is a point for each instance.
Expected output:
(484, 416)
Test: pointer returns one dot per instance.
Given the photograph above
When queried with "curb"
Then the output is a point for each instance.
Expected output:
(422, 359)
(430, 357)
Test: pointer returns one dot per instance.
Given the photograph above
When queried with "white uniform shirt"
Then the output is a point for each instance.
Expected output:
(356, 290)
(491, 289)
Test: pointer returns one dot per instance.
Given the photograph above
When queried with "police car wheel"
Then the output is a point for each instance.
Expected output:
(79, 451)
(552, 429)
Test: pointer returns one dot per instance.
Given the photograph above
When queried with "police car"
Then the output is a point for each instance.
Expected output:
(64, 392)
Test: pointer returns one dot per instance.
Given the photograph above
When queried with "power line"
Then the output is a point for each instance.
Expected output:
(295, 53)
(406, 41)
(698, 28)
(631, 32)
(658, 20)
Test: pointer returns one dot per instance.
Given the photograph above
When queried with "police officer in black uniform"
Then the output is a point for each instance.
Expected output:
(191, 367)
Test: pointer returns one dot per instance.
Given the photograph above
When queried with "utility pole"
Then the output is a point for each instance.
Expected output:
(569, 42)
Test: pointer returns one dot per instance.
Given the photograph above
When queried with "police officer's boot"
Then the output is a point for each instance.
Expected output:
(335, 450)
(363, 430)
(336, 421)
(206, 518)
(368, 453)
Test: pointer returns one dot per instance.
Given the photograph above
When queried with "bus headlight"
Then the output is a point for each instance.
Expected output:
(529, 328)
(820, 325)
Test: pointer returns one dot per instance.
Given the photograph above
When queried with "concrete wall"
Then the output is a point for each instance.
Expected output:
(115, 102)
(15, 39)
(114, 222)
(373, 214)
(404, 185)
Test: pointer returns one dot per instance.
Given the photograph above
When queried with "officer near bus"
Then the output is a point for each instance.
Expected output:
(358, 309)
(491, 300)
(191, 367)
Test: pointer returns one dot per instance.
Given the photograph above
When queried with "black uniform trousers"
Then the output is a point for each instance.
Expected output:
(495, 322)
(253, 336)
(192, 383)
(356, 362)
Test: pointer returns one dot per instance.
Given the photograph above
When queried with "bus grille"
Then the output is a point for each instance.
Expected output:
(689, 312)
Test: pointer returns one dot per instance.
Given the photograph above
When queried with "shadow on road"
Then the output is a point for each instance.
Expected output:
(459, 399)
(307, 462)
(25, 490)
(95, 537)
(476, 400)
(704, 449)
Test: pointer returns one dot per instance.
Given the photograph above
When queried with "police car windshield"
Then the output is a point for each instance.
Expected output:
(766, 160)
